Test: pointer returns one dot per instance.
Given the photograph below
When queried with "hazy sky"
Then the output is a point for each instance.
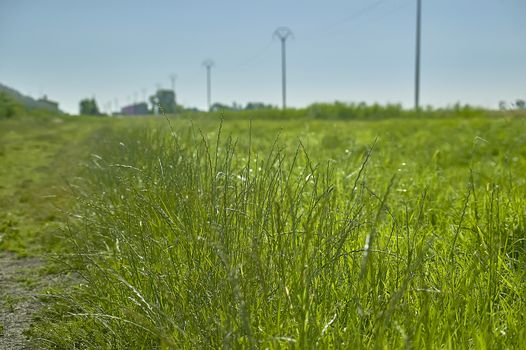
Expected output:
(473, 51)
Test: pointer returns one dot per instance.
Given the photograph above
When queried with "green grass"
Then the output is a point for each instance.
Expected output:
(38, 157)
(298, 234)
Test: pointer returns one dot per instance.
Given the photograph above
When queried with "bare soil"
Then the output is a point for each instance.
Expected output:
(20, 285)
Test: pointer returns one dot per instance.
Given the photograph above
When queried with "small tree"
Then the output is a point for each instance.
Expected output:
(166, 99)
(520, 104)
(88, 106)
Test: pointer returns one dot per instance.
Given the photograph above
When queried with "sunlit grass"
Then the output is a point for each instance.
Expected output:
(298, 234)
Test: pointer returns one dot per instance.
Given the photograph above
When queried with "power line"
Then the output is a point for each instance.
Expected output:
(259, 53)
(393, 10)
(359, 13)
(330, 28)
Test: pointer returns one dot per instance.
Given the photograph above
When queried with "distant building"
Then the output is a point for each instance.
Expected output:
(44, 103)
(135, 109)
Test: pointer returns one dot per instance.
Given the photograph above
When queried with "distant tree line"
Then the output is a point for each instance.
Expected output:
(163, 102)
(250, 106)
(518, 104)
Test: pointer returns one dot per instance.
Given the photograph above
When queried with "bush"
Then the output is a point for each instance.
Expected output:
(9, 108)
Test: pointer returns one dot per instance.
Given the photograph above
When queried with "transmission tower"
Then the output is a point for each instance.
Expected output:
(208, 64)
(283, 33)
(173, 78)
(417, 58)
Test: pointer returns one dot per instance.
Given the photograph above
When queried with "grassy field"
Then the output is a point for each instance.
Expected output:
(301, 233)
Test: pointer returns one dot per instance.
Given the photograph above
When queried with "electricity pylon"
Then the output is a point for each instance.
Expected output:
(173, 78)
(283, 33)
(417, 58)
(208, 64)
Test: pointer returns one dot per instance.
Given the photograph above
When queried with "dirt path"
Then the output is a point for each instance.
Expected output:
(26, 153)
(20, 285)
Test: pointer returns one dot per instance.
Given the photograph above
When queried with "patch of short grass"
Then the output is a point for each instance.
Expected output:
(38, 158)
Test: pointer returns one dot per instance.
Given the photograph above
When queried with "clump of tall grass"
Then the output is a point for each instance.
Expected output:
(192, 241)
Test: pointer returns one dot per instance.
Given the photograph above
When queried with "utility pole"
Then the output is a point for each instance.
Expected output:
(208, 64)
(155, 100)
(283, 33)
(418, 48)
(173, 77)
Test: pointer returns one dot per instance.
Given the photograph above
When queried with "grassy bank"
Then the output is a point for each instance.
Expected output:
(298, 234)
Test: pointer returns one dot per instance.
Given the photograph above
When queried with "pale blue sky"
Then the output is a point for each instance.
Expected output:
(361, 50)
